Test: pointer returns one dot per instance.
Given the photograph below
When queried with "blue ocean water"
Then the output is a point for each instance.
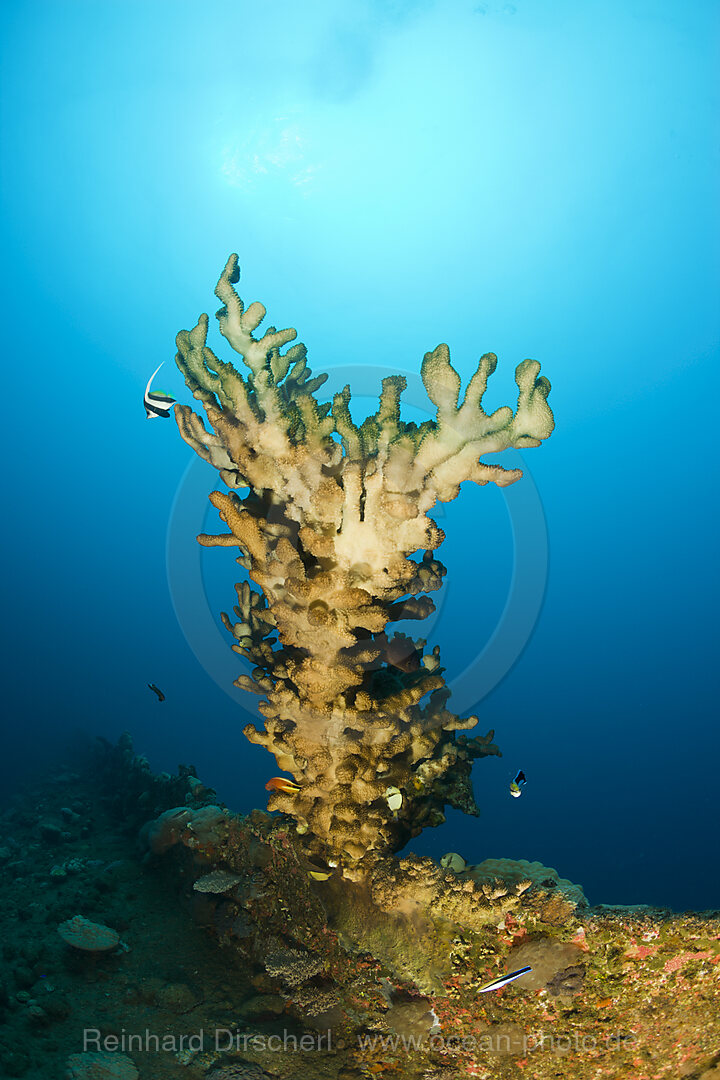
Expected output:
(536, 179)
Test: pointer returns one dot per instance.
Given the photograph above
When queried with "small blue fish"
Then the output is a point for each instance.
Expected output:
(157, 402)
(503, 980)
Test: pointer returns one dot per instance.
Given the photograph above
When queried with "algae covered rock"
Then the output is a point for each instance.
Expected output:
(219, 881)
(88, 936)
(100, 1066)
(177, 998)
(556, 965)
(165, 831)
(263, 1006)
(242, 1070)
(183, 825)
(413, 1020)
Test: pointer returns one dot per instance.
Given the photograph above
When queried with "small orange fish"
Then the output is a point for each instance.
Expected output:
(280, 783)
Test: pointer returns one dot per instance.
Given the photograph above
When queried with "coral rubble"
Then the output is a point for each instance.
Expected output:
(335, 512)
(320, 979)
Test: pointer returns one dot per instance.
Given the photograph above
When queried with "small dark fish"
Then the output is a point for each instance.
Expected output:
(517, 785)
(157, 402)
(503, 980)
(402, 654)
(156, 690)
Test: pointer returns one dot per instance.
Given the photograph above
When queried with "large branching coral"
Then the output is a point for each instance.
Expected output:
(334, 514)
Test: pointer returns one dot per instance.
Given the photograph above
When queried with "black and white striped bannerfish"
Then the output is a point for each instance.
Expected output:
(503, 980)
(157, 402)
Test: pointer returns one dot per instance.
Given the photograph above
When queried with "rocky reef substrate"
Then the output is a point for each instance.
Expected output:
(150, 933)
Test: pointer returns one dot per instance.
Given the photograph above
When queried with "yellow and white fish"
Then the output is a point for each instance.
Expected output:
(517, 785)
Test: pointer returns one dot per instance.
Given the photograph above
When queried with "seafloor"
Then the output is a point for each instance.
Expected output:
(235, 963)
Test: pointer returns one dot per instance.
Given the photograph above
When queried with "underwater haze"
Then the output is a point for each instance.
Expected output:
(536, 179)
